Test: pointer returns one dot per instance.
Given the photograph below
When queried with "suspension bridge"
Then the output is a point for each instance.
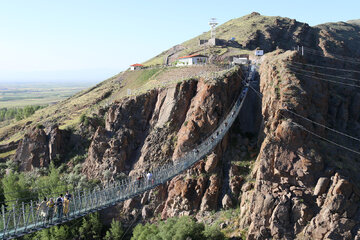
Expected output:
(23, 218)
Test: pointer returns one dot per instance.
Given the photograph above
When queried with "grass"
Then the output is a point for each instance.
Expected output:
(67, 112)
(7, 154)
(241, 28)
(63, 112)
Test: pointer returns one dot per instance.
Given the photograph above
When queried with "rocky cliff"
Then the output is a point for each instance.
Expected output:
(40, 146)
(281, 170)
(146, 131)
(305, 187)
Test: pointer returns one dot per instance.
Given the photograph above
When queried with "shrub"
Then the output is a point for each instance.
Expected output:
(213, 233)
(177, 229)
(115, 232)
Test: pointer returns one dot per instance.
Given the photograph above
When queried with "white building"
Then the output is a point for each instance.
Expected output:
(239, 60)
(195, 59)
(259, 52)
(136, 66)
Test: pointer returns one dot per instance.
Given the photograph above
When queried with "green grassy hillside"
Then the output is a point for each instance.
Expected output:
(250, 32)
(67, 112)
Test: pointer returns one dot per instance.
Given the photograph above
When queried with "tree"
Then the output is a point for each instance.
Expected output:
(16, 187)
(91, 227)
(51, 184)
(187, 227)
(115, 232)
(146, 232)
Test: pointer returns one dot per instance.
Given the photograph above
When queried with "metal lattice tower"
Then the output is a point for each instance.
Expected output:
(213, 23)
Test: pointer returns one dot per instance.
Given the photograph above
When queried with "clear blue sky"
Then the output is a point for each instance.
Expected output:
(78, 40)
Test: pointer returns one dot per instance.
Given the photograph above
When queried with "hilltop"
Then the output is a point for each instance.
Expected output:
(255, 31)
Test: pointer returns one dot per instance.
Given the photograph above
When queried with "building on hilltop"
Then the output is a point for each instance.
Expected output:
(211, 42)
(259, 52)
(136, 66)
(195, 59)
(240, 60)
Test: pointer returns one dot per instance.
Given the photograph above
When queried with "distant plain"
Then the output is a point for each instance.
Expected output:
(19, 94)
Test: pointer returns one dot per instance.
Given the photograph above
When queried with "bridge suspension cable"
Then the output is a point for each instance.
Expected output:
(70, 186)
(324, 74)
(315, 134)
(23, 218)
(332, 56)
(325, 67)
(327, 80)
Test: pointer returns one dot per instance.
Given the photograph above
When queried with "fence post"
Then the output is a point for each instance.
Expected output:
(3, 217)
(27, 220)
(80, 202)
(15, 222)
(23, 212)
(74, 205)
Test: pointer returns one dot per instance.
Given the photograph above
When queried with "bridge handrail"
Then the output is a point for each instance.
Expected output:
(24, 218)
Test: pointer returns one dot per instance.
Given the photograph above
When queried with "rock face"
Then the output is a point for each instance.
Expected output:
(299, 191)
(8, 147)
(38, 147)
(179, 118)
(300, 186)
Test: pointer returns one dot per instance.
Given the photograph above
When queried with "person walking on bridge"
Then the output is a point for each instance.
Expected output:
(149, 177)
(51, 205)
(68, 195)
(139, 179)
(66, 206)
(43, 209)
(59, 207)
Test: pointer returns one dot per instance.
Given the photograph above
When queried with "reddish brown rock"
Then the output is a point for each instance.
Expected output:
(38, 148)
(211, 197)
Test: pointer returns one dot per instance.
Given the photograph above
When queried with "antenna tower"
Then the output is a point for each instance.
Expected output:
(213, 24)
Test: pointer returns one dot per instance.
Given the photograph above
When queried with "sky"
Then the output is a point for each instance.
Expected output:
(91, 40)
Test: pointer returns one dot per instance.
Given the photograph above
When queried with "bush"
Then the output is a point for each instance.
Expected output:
(115, 232)
(213, 233)
(145, 232)
(18, 113)
(84, 119)
(91, 227)
(16, 186)
(177, 229)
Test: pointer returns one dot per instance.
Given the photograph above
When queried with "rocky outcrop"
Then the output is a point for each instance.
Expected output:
(39, 147)
(8, 147)
(339, 214)
(178, 117)
(135, 126)
(300, 192)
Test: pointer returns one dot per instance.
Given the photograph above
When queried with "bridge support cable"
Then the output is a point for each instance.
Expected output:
(331, 56)
(21, 219)
(313, 133)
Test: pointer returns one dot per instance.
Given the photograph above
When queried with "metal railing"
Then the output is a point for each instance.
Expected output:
(24, 218)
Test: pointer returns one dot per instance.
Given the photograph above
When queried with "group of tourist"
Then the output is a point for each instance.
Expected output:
(61, 206)
(149, 179)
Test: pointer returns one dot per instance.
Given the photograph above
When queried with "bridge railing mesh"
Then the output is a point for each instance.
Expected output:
(24, 218)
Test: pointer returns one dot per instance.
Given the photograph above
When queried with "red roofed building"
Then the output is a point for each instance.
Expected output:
(194, 59)
(136, 66)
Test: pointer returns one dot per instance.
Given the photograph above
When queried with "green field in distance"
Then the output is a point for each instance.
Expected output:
(38, 93)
